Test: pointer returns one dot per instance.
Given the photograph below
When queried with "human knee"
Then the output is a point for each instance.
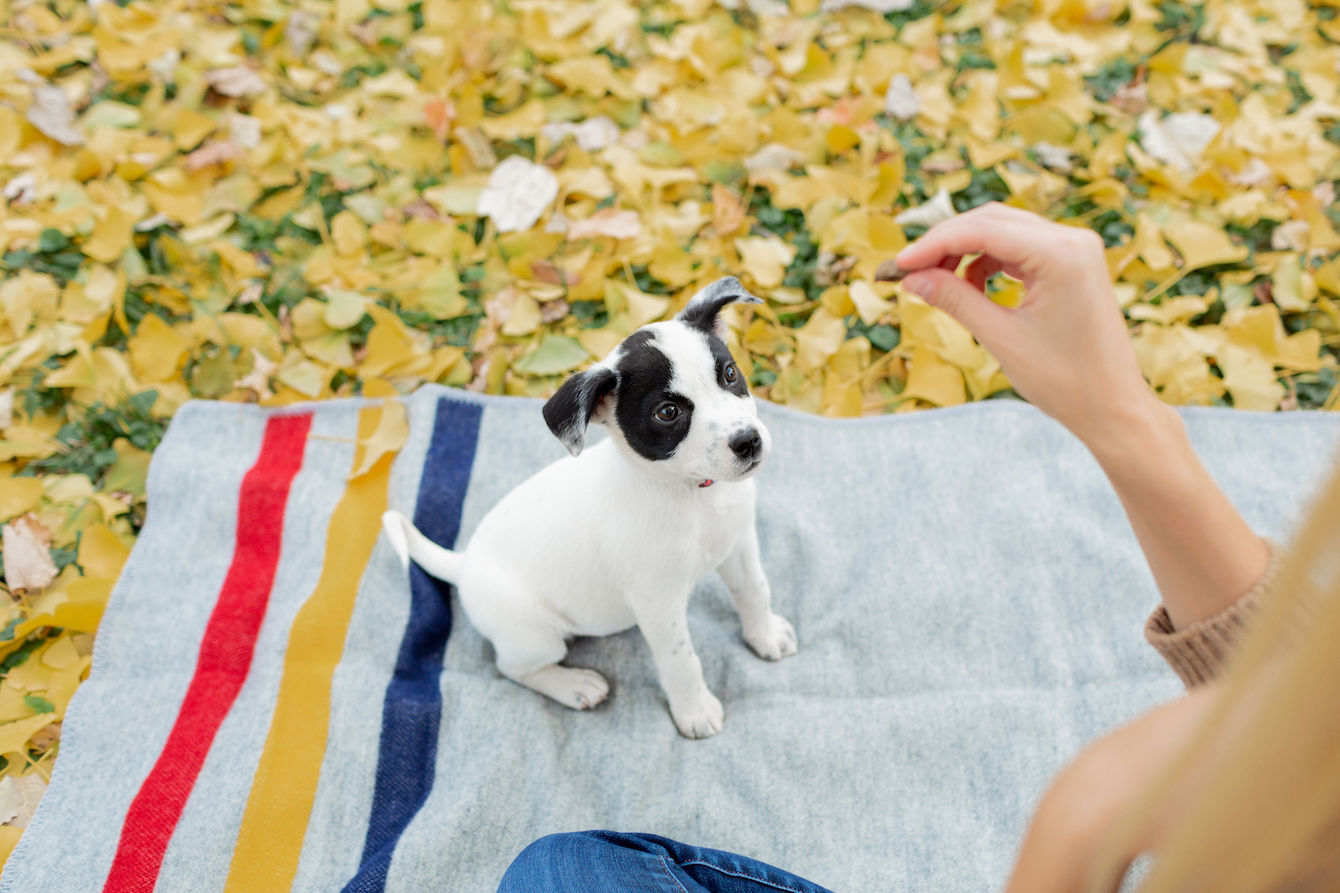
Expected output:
(545, 859)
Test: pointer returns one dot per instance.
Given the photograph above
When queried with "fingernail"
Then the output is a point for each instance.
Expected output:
(917, 283)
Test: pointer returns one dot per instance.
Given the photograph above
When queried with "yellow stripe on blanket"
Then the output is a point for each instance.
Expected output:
(275, 822)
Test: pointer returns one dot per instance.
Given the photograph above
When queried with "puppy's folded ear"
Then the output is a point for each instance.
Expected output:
(702, 310)
(569, 411)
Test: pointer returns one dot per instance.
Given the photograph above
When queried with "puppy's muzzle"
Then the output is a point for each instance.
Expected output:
(747, 445)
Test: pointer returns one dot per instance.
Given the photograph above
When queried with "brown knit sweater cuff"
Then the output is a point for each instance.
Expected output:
(1198, 653)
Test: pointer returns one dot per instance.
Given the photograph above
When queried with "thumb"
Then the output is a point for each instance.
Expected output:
(961, 300)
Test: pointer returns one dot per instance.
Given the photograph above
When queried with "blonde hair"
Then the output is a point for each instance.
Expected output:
(1264, 815)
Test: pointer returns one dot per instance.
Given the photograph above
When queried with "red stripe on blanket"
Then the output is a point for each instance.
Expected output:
(225, 658)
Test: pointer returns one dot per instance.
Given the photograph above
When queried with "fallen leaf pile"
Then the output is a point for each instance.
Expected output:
(283, 200)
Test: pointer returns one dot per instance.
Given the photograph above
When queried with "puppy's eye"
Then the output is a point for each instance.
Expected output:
(667, 412)
(730, 373)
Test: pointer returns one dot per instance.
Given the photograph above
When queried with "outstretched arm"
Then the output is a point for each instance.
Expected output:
(1203, 555)
(1066, 350)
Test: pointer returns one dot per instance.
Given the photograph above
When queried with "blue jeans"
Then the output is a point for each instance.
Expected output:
(610, 862)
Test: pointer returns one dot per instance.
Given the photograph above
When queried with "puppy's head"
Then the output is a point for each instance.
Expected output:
(671, 396)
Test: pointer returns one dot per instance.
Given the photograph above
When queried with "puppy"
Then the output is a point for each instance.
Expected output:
(616, 536)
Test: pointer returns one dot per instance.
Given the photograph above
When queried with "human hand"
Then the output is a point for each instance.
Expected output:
(1065, 347)
(1066, 350)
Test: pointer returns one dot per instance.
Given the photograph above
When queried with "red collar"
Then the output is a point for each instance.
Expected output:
(706, 483)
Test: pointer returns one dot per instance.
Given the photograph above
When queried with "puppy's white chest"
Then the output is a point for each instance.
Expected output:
(721, 519)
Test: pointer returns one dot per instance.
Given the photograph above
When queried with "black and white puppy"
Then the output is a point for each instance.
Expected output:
(616, 536)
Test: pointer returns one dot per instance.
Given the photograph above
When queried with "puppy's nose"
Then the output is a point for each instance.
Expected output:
(746, 444)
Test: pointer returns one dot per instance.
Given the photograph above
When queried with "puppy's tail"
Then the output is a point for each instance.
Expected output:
(409, 543)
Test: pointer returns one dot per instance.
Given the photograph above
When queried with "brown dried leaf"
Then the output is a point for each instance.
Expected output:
(239, 81)
(28, 563)
(211, 154)
(51, 114)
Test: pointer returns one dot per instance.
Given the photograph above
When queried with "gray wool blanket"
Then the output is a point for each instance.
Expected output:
(275, 703)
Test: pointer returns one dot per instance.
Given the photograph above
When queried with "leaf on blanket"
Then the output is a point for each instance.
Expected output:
(388, 437)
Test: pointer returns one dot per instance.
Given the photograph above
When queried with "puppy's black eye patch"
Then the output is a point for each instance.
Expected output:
(654, 419)
(729, 376)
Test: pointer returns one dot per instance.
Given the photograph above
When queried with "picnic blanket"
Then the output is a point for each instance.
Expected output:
(276, 704)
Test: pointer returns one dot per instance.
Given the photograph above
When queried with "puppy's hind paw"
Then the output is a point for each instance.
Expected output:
(774, 640)
(700, 717)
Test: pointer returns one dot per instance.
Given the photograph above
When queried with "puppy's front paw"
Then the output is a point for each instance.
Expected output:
(774, 640)
(700, 717)
(572, 687)
(584, 689)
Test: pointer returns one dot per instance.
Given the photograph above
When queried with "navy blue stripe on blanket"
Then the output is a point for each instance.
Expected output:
(412, 711)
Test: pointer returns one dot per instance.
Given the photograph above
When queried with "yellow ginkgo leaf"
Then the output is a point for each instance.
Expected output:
(641, 307)
(129, 472)
(305, 376)
(591, 74)
(1250, 379)
(344, 308)
(26, 297)
(869, 306)
(156, 349)
(1293, 290)
(14, 735)
(1260, 331)
(387, 437)
(819, 339)
(111, 235)
(18, 495)
(931, 379)
(101, 552)
(523, 317)
(348, 233)
(1202, 245)
(391, 346)
(1150, 245)
(765, 259)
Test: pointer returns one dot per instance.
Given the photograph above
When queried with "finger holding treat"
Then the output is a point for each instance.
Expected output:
(1065, 347)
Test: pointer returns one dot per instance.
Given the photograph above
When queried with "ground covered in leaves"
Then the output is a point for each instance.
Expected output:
(277, 201)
